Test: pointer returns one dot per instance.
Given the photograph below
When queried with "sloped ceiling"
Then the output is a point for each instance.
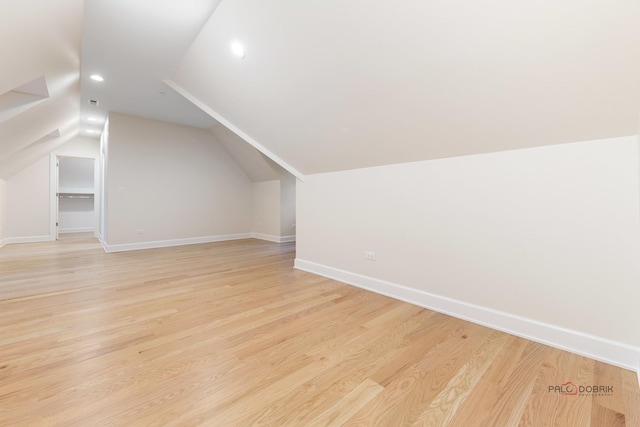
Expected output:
(325, 85)
(135, 45)
(39, 45)
(337, 85)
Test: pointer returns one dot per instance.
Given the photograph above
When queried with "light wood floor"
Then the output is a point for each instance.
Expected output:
(229, 334)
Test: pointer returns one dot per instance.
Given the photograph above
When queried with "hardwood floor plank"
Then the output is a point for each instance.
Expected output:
(360, 356)
(512, 396)
(414, 388)
(602, 416)
(343, 409)
(452, 397)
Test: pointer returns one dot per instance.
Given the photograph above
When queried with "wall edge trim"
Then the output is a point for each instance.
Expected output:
(173, 242)
(275, 239)
(594, 347)
(28, 239)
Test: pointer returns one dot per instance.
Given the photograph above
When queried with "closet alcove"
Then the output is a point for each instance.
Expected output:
(76, 192)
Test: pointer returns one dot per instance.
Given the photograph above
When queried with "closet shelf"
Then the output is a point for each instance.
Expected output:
(75, 195)
(75, 190)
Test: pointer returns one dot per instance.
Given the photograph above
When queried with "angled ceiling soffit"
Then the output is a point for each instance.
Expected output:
(34, 151)
(22, 98)
(23, 129)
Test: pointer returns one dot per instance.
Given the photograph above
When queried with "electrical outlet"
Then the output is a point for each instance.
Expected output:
(371, 256)
(140, 231)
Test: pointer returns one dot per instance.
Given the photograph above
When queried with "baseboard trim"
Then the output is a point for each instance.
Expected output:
(275, 239)
(29, 239)
(175, 242)
(76, 230)
(591, 346)
(2, 243)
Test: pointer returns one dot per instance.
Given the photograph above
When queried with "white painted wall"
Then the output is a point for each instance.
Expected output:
(288, 206)
(274, 208)
(76, 175)
(266, 209)
(550, 235)
(76, 215)
(3, 209)
(174, 182)
(29, 201)
(27, 213)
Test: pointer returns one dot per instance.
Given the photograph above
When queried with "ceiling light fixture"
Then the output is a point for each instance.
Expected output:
(92, 119)
(237, 49)
(97, 78)
(92, 131)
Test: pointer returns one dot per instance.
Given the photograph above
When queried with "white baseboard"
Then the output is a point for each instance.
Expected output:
(76, 230)
(3, 242)
(176, 242)
(29, 239)
(591, 346)
(275, 239)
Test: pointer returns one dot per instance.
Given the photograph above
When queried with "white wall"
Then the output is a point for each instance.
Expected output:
(76, 175)
(288, 206)
(30, 201)
(266, 209)
(274, 209)
(27, 213)
(76, 215)
(3, 209)
(174, 182)
(545, 239)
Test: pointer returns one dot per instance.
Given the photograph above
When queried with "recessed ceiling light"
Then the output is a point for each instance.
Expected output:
(92, 119)
(238, 49)
(92, 131)
(97, 77)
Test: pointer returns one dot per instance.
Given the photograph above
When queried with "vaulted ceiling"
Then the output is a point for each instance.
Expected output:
(323, 86)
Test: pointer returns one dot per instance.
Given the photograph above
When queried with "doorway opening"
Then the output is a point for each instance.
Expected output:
(76, 190)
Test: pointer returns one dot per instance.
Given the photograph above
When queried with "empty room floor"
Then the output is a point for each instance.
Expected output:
(229, 334)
